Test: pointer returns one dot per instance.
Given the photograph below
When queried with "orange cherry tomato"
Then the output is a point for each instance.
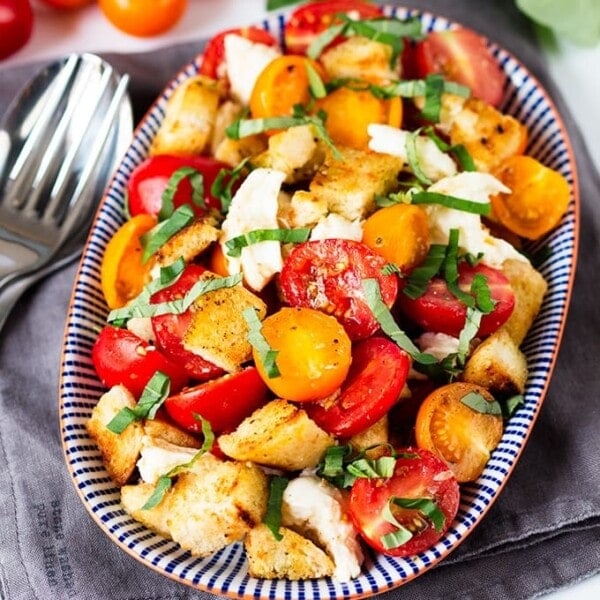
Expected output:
(313, 354)
(122, 274)
(282, 84)
(538, 199)
(143, 18)
(400, 233)
(350, 111)
(458, 434)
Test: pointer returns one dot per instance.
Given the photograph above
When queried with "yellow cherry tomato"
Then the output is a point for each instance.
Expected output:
(313, 354)
(141, 17)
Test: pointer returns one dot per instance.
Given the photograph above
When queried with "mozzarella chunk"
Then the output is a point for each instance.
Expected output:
(142, 327)
(158, 457)
(312, 506)
(255, 206)
(439, 345)
(473, 236)
(336, 226)
(390, 140)
(244, 61)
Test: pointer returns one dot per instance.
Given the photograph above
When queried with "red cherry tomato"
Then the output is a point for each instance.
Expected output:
(67, 4)
(440, 311)
(214, 52)
(170, 328)
(327, 275)
(150, 178)
(377, 375)
(418, 474)
(311, 19)
(16, 24)
(461, 55)
(224, 402)
(121, 357)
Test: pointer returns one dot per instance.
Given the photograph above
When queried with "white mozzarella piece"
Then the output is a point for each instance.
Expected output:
(158, 457)
(439, 345)
(336, 226)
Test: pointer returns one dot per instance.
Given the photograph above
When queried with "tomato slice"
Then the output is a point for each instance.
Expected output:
(224, 402)
(377, 375)
(150, 178)
(327, 275)
(463, 56)
(440, 311)
(311, 19)
(418, 474)
(169, 328)
(214, 52)
(121, 357)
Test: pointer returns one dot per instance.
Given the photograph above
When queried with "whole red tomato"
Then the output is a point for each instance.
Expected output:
(142, 17)
(16, 24)
(67, 4)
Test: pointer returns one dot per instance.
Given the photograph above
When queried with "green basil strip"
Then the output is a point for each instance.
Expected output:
(203, 286)
(378, 468)
(412, 88)
(257, 340)
(390, 269)
(277, 4)
(285, 236)
(163, 485)
(423, 274)
(465, 160)
(333, 461)
(400, 535)
(468, 333)
(222, 186)
(195, 178)
(272, 518)
(325, 38)
(434, 88)
(482, 294)
(451, 271)
(470, 206)
(426, 506)
(154, 394)
(315, 83)
(479, 404)
(413, 158)
(511, 404)
(163, 232)
(385, 319)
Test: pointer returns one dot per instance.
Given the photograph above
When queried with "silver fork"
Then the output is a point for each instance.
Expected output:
(60, 141)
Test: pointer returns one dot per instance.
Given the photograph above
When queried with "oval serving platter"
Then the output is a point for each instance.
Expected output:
(225, 572)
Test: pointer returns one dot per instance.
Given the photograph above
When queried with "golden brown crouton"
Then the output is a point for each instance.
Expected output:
(498, 365)
(293, 557)
(218, 331)
(279, 435)
(529, 288)
(133, 497)
(119, 451)
(304, 209)
(190, 117)
(164, 430)
(216, 503)
(376, 435)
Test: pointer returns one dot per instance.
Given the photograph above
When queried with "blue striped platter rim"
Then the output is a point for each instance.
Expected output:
(225, 572)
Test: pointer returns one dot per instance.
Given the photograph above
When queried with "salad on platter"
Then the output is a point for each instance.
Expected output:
(318, 296)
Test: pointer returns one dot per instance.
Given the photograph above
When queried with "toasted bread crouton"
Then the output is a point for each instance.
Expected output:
(216, 503)
(190, 116)
(187, 243)
(374, 437)
(529, 288)
(303, 210)
(120, 451)
(349, 184)
(292, 557)
(233, 152)
(279, 435)
(296, 151)
(218, 331)
(134, 497)
(164, 430)
(498, 365)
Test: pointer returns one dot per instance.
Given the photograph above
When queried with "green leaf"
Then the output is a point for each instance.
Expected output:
(426, 506)
(272, 518)
(257, 340)
(195, 178)
(163, 485)
(277, 4)
(285, 236)
(164, 231)
(470, 206)
(479, 404)
(382, 467)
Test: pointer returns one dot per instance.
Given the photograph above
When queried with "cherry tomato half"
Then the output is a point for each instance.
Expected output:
(214, 52)
(440, 311)
(170, 328)
(137, 17)
(121, 357)
(224, 402)
(461, 55)
(16, 25)
(377, 375)
(312, 18)
(418, 474)
(150, 178)
(327, 275)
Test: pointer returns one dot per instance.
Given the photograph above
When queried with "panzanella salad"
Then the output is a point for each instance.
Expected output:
(318, 296)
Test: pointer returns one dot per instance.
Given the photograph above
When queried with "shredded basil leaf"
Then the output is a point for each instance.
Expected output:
(400, 535)
(195, 178)
(450, 269)
(426, 506)
(423, 274)
(511, 404)
(277, 4)
(257, 340)
(285, 236)
(164, 231)
(315, 83)
(413, 157)
(382, 467)
(468, 333)
(434, 88)
(163, 485)
(325, 38)
(222, 186)
(412, 88)
(470, 206)
(272, 517)
(479, 404)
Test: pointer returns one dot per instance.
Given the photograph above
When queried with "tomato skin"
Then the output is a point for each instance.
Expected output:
(419, 474)
(149, 180)
(121, 357)
(170, 328)
(327, 275)
(309, 20)
(214, 52)
(439, 311)
(16, 25)
(67, 4)
(461, 55)
(135, 17)
(377, 375)
(224, 402)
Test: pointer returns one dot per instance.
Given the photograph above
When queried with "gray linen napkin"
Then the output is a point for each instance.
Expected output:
(542, 533)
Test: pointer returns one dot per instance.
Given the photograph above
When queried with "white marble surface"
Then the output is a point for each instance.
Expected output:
(575, 70)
